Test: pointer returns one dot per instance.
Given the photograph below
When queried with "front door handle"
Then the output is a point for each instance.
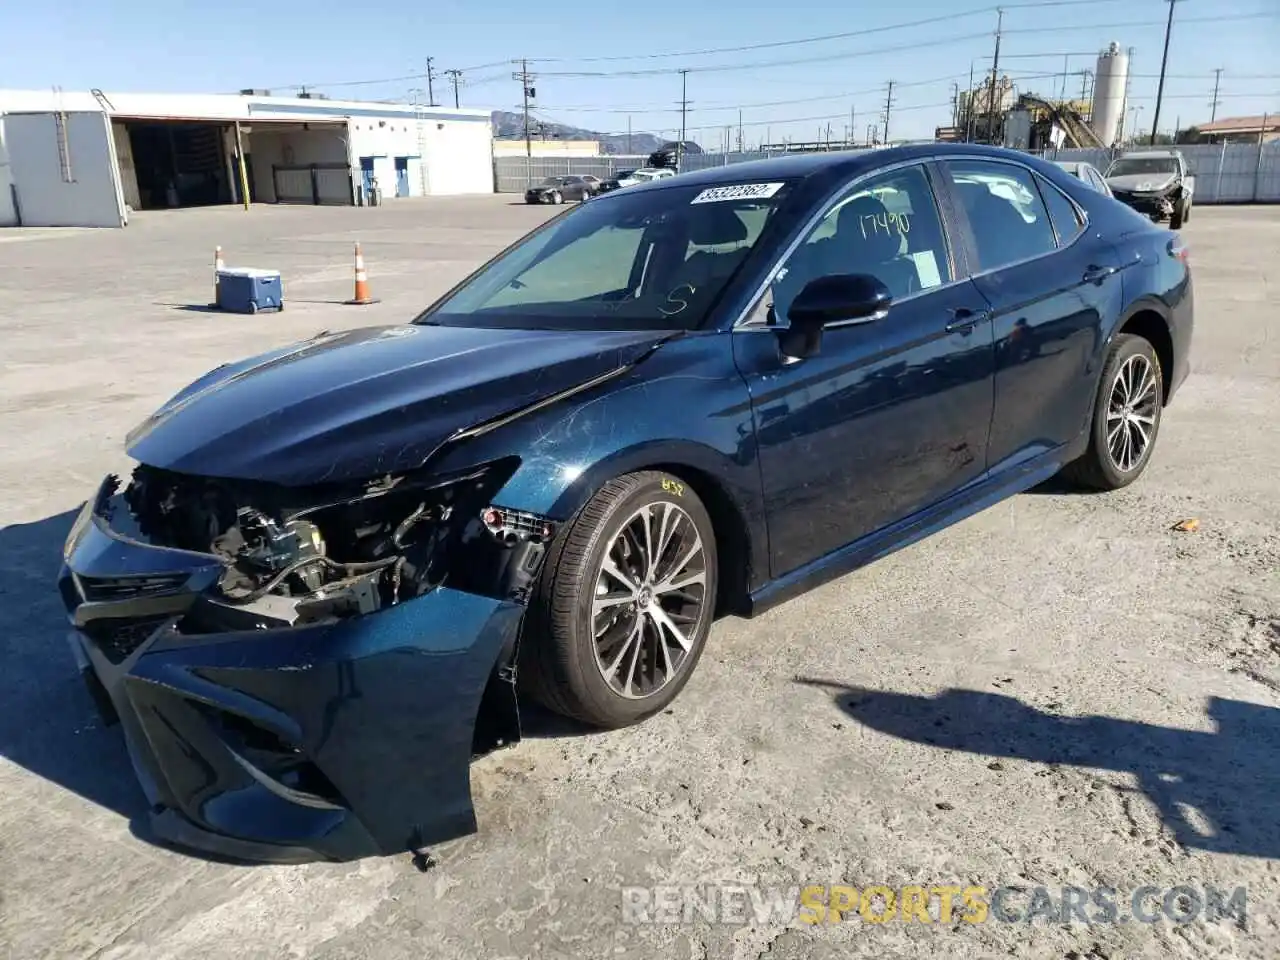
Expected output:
(963, 320)
(1095, 274)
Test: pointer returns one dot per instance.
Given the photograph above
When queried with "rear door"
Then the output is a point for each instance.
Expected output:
(1050, 281)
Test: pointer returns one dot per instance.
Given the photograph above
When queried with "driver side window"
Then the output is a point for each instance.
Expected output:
(888, 227)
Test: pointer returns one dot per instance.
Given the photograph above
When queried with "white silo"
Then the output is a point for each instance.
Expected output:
(1108, 93)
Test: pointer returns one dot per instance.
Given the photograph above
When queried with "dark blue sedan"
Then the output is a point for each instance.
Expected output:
(333, 566)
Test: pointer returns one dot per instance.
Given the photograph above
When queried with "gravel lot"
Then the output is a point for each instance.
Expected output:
(1058, 691)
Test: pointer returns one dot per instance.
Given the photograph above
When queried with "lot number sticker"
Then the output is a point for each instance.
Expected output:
(740, 191)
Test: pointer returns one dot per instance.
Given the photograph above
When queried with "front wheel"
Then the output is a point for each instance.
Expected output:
(557, 198)
(624, 604)
(1126, 417)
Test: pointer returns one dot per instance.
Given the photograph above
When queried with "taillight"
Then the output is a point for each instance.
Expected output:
(1180, 251)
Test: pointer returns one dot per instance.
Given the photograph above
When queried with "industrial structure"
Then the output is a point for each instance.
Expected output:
(1110, 93)
(89, 158)
(996, 111)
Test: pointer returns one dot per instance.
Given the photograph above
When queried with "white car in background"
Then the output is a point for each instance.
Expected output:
(630, 178)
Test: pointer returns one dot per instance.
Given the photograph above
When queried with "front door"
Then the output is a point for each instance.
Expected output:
(366, 175)
(402, 176)
(892, 415)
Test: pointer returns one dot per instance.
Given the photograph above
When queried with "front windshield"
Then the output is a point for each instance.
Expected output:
(642, 175)
(1143, 165)
(648, 260)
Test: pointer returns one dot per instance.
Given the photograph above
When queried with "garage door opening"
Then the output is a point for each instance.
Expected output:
(174, 163)
(299, 161)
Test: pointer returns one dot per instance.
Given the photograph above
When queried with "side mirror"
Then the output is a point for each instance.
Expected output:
(851, 298)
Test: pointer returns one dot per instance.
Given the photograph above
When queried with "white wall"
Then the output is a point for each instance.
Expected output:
(93, 196)
(459, 157)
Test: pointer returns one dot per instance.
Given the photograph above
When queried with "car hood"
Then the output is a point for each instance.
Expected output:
(1141, 182)
(365, 402)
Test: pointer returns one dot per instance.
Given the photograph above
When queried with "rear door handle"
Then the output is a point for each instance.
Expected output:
(1098, 274)
(963, 320)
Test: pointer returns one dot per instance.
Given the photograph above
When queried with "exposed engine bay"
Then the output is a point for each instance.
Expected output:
(294, 556)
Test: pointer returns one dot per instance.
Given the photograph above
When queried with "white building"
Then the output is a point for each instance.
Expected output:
(87, 158)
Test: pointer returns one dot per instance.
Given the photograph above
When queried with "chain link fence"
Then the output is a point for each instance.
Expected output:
(1225, 173)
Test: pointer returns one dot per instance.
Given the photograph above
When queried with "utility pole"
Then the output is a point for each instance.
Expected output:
(528, 92)
(431, 89)
(888, 106)
(739, 130)
(628, 133)
(955, 104)
(853, 128)
(968, 107)
(684, 113)
(455, 77)
(1213, 104)
(995, 67)
(1164, 61)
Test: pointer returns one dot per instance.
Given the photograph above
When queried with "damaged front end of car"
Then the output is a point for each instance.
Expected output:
(304, 672)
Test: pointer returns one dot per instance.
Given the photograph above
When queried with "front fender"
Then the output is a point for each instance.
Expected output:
(685, 407)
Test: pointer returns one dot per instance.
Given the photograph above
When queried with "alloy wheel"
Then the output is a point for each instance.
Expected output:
(650, 598)
(1131, 413)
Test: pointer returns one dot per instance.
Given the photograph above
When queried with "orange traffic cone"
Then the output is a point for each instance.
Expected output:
(362, 296)
(217, 290)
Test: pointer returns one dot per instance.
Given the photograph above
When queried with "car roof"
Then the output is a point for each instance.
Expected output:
(1146, 154)
(837, 163)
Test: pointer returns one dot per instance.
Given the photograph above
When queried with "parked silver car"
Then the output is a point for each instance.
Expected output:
(1086, 172)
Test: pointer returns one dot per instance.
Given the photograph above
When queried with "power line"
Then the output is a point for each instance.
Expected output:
(764, 65)
(823, 38)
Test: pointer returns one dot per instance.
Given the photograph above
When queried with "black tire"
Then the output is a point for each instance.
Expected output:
(1186, 209)
(556, 198)
(559, 662)
(1100, 468)
(1178, 216)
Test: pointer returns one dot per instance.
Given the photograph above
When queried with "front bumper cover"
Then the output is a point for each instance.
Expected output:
(325, 742)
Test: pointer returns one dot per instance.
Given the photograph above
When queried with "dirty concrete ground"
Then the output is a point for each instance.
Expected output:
(1058, 691)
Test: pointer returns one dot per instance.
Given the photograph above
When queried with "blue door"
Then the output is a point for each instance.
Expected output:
(366, 174)
(1049, 285)
(402, 176)
(892, 415)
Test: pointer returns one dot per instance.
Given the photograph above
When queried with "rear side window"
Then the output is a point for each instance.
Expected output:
(1005, 212)
(1062, 213)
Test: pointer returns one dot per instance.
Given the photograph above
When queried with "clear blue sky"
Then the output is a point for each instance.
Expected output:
(181, 45)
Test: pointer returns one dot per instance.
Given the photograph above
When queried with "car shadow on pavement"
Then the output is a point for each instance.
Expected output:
(50, 725)
(1217, 791)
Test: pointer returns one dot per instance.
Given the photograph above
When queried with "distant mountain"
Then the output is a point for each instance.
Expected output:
(510, 126)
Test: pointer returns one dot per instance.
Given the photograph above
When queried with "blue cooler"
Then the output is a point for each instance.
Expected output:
(246, 290)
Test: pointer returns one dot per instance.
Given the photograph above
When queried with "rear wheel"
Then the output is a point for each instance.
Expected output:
(1126, 417)
(557, 198)
(623, 608)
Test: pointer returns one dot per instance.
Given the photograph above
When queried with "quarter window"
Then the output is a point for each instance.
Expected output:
(888, 227)
(1008, 219)
(1062, 213)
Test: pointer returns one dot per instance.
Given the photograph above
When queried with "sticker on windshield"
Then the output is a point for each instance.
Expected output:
(739, 191)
